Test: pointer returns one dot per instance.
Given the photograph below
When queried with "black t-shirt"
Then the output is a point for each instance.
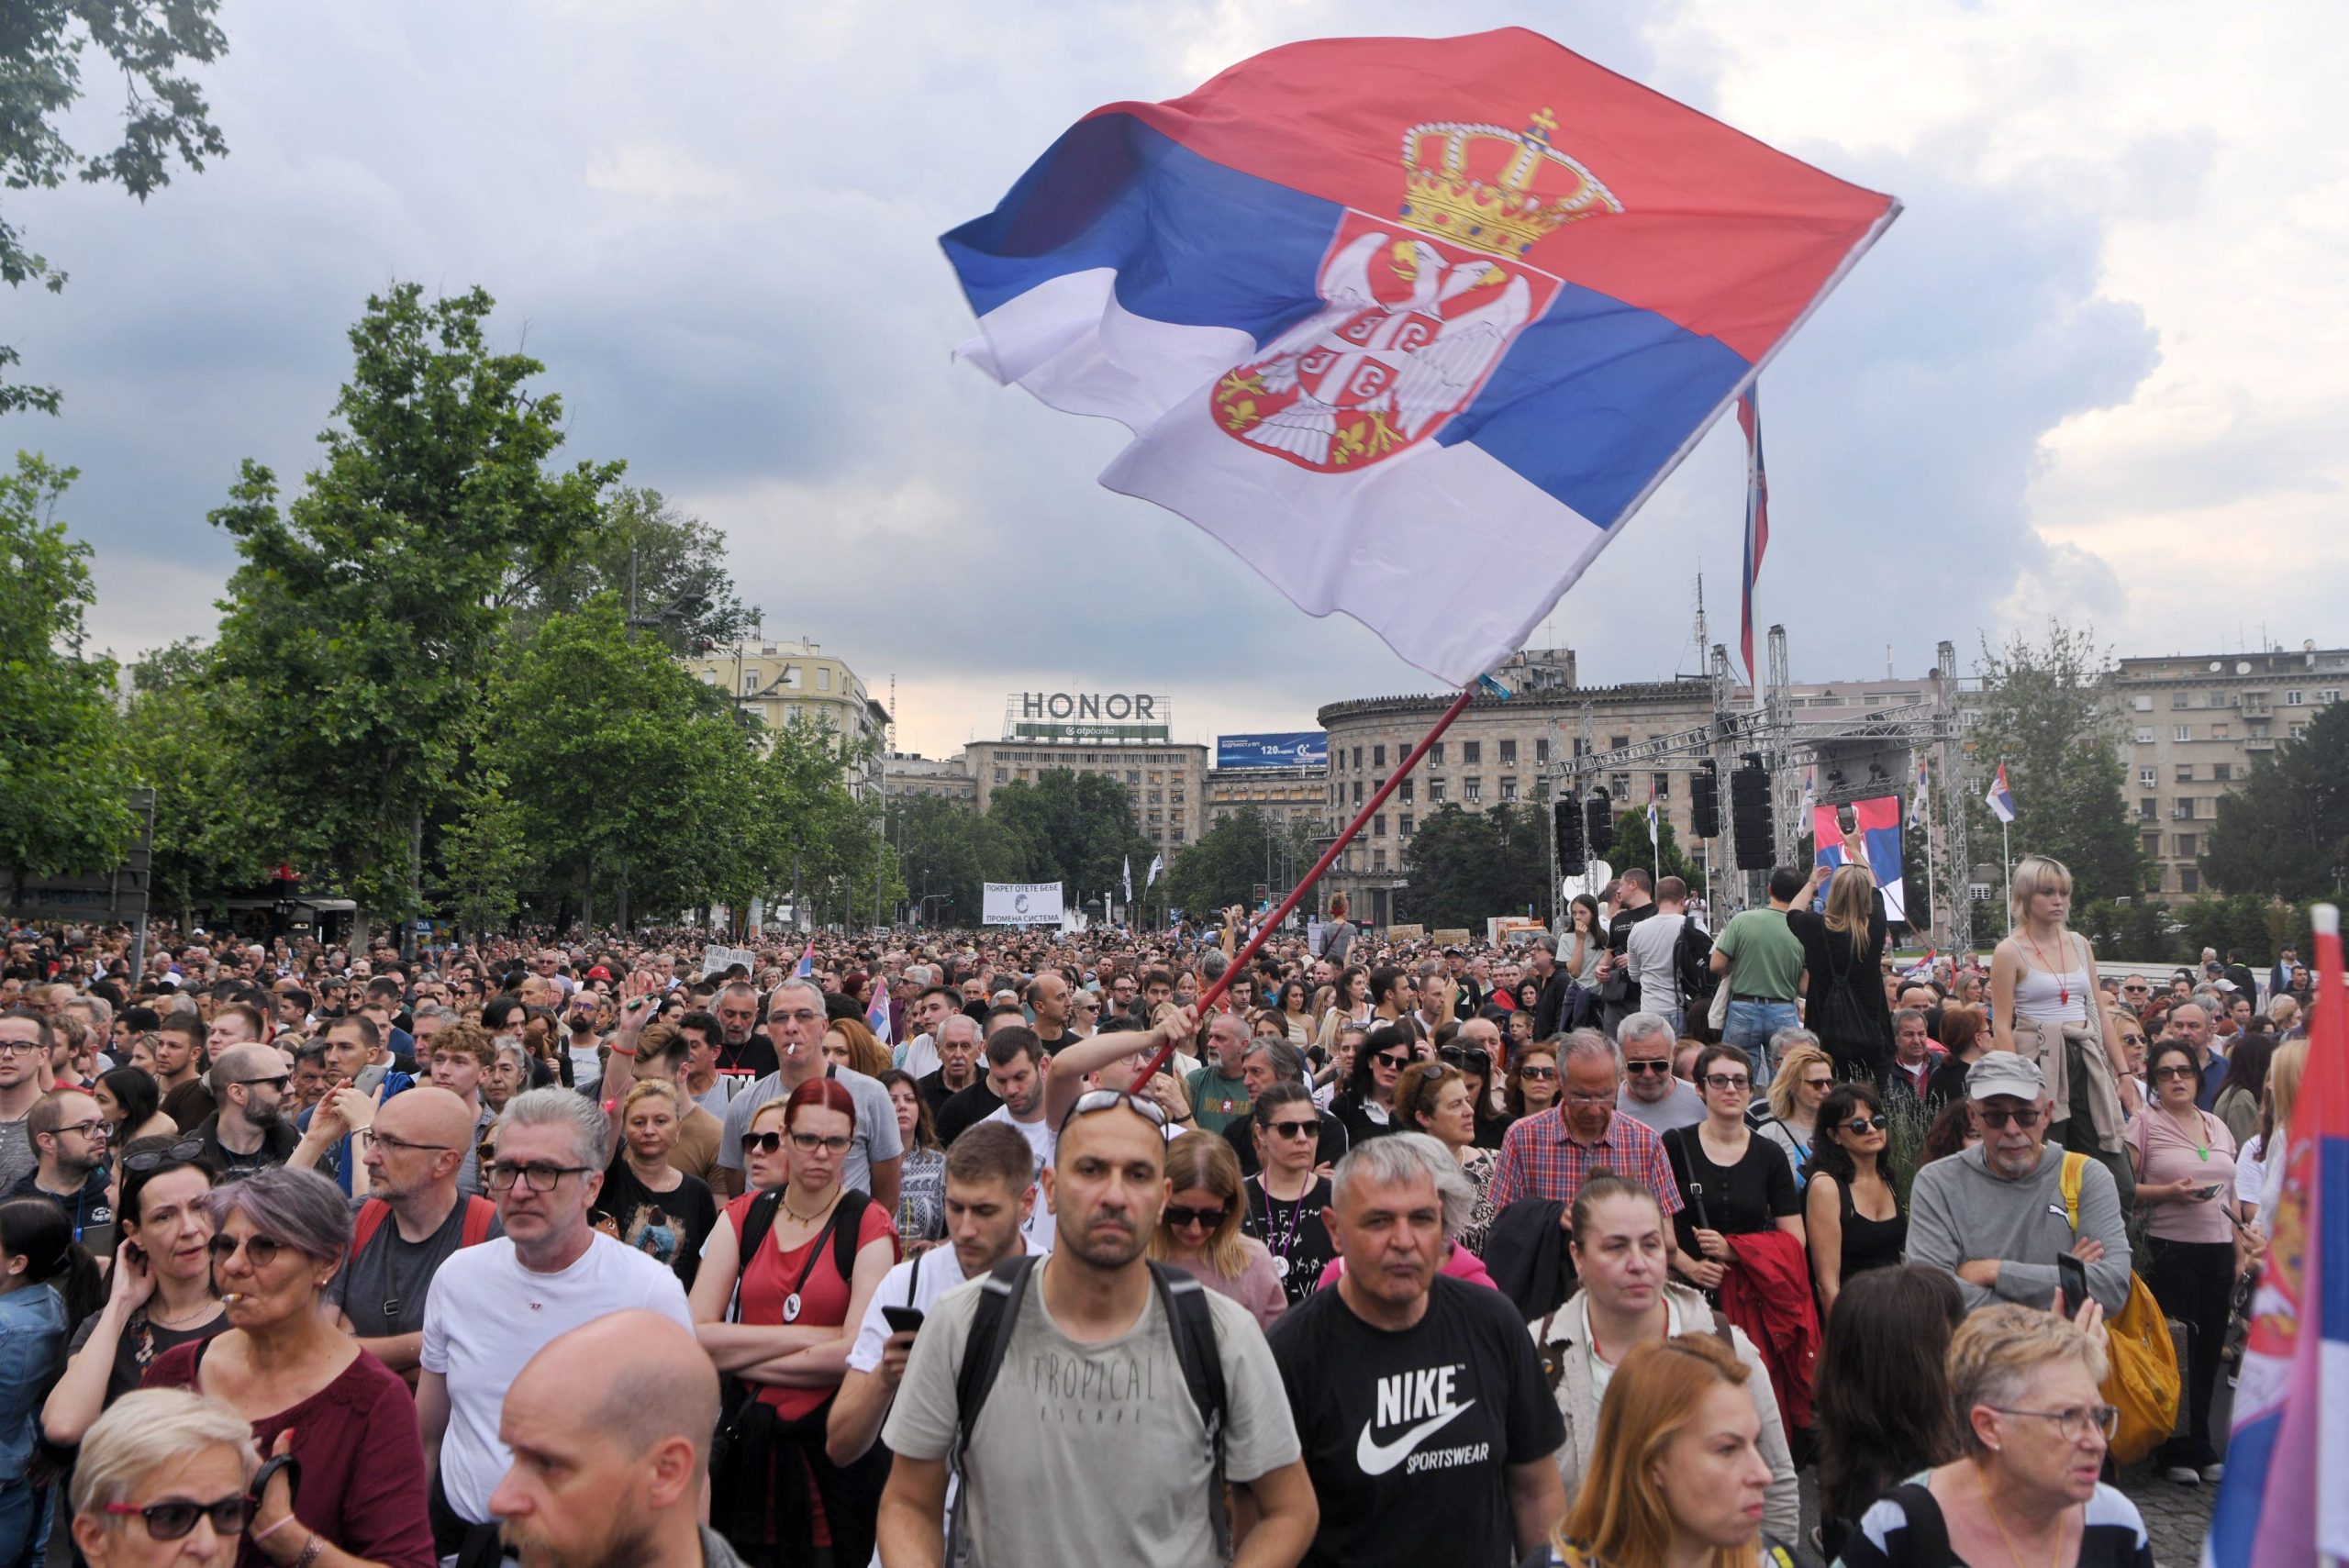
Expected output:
(964, 1109)
(1408, 1436)
(1739, 1200)
(1828, 957)
(745, 1067)
(1293, 1233)
(937, 1091)
(1619, 939)
(382, 1288)
(667, 1226)
(141, 1343)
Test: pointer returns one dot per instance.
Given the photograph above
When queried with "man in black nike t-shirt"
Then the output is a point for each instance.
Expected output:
(1428, 1430)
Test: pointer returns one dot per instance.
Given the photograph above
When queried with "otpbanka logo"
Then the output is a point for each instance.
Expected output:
(1415, 313)
(1423, 1404)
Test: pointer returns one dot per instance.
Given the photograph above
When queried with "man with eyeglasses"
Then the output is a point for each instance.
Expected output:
(1994, 1215)
(1549, 1155)
(250, 1131)
(1651, 1095)
(418, 1220)
(70, 1147)
(795, 1024)
(492, 1308)
(25, 1039)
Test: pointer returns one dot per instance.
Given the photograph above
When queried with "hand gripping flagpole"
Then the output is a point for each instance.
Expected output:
(1329, 858)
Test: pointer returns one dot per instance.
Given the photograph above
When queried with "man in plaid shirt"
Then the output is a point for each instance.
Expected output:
(1549, 1155)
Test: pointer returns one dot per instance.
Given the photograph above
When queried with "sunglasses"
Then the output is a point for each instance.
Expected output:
(1865, 1124)
(1818, 1083)
(260, 1252)
(1178, 1216)
(1389, 1059)
(2174, 1071)
(184, 1151)
(1539, 1074)
(2027, 1117)
(1293, 1128)
(168, 1521)
(1094, 1100)
(1658, 1065)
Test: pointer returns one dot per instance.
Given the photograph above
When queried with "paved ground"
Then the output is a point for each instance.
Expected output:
(2176, 1517)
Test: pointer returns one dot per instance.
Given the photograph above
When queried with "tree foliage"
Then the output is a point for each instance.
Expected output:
(2044, 715)
(61, 806)
(214, 827)
(1465, 867)
(674, 563)
(365, 614)
(1070, 828)
(1229, 859)
(2285, 831)
(43, 43)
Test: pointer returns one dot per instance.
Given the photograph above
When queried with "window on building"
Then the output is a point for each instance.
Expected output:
(1508, 789)
(1155, 795)
(2181, 699)
(1508, 753)
(1435, 754)
(1541, 754)
(1133, 775)
(2150, 843)
(2145, 777)
(1662, 786)
(1435, 791)
(2182, 809)
(1472, 752)
(2295, 699)
(2149, 809)
(2330, 694)
(2299, 730)
(1002, 774)
(1378, 826)
(2218, 732)
(1405, 826)
(1378, 756)
(1357, 792)
(791, 678)
(2188, 880)
(1357, 757)
(2185, 732)
(1407, 791)
(2142, 704)
(1619, 742)
(2186, 846)
(2223, 772)
(823, 677)
(2186, 772)
(1472, 790)
(1377, 785)
(1378, 860)
(2144, 736)
(1176, 836)
(1620, 786)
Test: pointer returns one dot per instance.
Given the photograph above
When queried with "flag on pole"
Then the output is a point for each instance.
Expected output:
(1654, 846)
(1757, 524)
(2001, 800)
(806, 965)
(876, 1016)
(1920, 813)
(2282, 1504)
(1127, 879)
(1380, 310)
(1157, 864)
(1810, 799)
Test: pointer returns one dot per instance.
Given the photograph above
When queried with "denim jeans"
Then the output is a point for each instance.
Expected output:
(1750, 1026)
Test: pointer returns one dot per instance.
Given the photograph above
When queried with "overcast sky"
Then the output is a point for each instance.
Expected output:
(2093, 370)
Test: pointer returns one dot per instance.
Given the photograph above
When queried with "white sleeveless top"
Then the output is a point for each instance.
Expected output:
(2042, 997)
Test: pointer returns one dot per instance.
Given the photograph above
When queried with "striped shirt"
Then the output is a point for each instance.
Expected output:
(1904, 1529)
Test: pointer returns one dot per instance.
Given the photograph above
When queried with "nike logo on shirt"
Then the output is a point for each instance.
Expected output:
(1376, 1457)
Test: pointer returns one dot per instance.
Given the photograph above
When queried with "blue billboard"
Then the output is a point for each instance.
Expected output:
(1291, 748)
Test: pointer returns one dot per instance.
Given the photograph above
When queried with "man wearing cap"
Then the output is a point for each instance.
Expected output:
(1994, 1215)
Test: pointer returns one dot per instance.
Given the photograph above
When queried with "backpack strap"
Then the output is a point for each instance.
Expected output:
(1724, 1331)
(992, 1320)
(369, 1220)
(479, 1215)
(1192, 1320)
(2068, 1183)
(847, 1220)
(757, 1221)
(1927, 1530)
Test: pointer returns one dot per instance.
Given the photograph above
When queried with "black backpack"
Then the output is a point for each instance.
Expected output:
(1188, 1315)
(1692, 961)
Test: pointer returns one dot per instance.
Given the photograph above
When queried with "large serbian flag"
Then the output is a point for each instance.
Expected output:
(2283, 1504)
(1879, 825)
(1410, 324)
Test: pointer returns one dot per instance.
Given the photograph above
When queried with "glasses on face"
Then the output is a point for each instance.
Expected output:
(260, 1250)
(1178, 1216)
(277, 1082)
(483, 1151)
(1465, 1059)
(1094, 1100)
(1293, 1128)
(2027, 1117)
(168, 1521)
(1642, 1066)
(1820, 1084)
(1393, 1060)
(402, 1146)
(2133, 1039)
(186, 1150)
(2174, 1070)
(1863, 1125)
(808, 1142)
(802, 1017)
(537, 1177)
(1728, 1081)
(20, 1048)
(2077, 1423)
(94, 1128)
(1537, 1075)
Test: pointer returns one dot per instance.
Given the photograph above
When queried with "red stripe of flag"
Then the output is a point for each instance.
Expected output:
(1757, 521)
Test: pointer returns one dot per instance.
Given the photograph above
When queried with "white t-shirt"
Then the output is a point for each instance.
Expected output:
(933, 1273)
(1653, 947)
(488, 1314)
(920, 1057)
(1039, 1231)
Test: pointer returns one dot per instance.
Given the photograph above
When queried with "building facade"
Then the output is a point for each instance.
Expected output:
(1166, 779)
(950, 778)
(1285, 797)
(777, 681)
(2190, 728)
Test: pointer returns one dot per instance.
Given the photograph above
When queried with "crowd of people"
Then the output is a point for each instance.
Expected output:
(641, 1249)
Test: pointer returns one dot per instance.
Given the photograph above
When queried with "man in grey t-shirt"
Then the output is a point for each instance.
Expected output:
(1092, 1352)
(795, 1023)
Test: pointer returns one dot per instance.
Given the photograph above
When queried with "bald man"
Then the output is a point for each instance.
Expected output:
(413, 1220)
(609, 1469)
(249, 1129)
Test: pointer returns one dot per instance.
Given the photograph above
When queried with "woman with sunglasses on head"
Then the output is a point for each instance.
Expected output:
(2033, 1428)
(783, 1320)
(1434, 1097)
(1199, 1230)
(356, 1491)
(1367, 1104)
(162, 1481)
(1284, 1199)
(2186, 1191)
(161, 1294)
(1851, 1207)
(1806, 1073)
(1732, 1181)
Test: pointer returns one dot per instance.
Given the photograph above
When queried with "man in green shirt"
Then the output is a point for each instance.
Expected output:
(1763, 962)
(1218, 1091)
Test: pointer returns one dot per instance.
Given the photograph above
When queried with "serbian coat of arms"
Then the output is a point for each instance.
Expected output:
(1416, 310)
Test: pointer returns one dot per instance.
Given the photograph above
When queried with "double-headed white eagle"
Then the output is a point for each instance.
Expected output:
(1429, 382)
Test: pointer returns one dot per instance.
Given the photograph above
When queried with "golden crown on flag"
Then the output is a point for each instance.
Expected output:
(1497, 190)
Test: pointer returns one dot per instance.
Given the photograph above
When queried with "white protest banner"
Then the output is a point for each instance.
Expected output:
(1021, 904)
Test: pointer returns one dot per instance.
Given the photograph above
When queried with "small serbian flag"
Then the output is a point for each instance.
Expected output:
(806, 965)
(1879, 826)
(1381, 312)
(2001, 800)
(876, 1016)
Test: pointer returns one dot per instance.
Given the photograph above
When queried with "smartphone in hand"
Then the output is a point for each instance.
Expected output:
(901, 1319)
(2074, 1275)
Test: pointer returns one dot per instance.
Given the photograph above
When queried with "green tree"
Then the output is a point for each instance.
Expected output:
(41, 45)
(2044, 715)
(182, 738)
(805, 832)
(61, 806)
(1225, 865)
(487, 858)
(2138, 931)
(945, 852)
(671, 562)
(1071, 828)
(1661, 860)
(365, 614)
(2286, 831)
(1464, 867)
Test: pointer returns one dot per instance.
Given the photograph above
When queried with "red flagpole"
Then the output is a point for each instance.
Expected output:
(1329, 858)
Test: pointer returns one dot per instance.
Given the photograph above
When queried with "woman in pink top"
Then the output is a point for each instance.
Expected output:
(2185, 1187)
(1198, 1230)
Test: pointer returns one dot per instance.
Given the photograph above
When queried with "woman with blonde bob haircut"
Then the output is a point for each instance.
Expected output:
(1198, 1230)
(162, 1478)
(2033, 1428)
(1805, 1076)
(1676, 1475)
